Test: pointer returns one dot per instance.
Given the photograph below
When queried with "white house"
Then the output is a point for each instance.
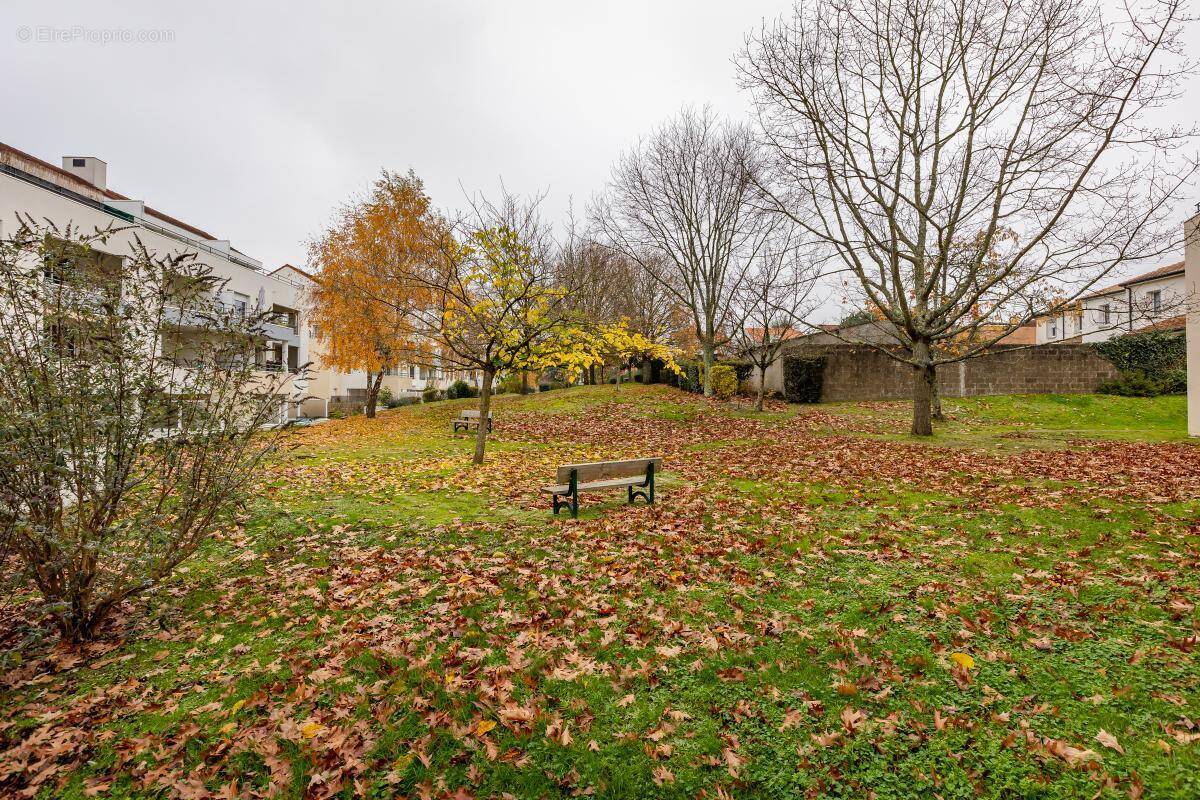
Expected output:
(77, 193)
(325, 383)
(1152, 300)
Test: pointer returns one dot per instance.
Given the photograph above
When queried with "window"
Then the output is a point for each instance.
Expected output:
(1155, 300)
(240, 303)
(412, 371)
(78, 162)
(1106, 311)
(1052, 329)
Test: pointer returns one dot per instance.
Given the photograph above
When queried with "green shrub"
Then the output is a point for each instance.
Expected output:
(1150, 364)
(544, 387)
(404, 401)
(724, 381)
(461, 389)
(743, 370)
(431, 394)
(803, 377)
(1131, 384)
(1175, 382)
(511, 383)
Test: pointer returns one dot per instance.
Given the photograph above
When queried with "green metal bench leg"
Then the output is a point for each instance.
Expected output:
(647, 495)
(573, 493)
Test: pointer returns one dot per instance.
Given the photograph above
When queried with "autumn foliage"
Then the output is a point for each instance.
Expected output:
(362, 303)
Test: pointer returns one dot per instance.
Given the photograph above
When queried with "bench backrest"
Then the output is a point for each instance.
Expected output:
(473, 415)
(603, 470)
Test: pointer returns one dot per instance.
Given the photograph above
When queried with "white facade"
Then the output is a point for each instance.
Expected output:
(401, 380)
(77, 194)
(1152, 298)
(1191, 232)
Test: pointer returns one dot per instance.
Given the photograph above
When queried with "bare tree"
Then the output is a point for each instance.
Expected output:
(771, 300)
(649, 307)
(679, 205)
(969, 161)
(595, 279)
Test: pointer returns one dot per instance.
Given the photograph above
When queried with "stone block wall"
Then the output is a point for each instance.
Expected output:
(856, 372)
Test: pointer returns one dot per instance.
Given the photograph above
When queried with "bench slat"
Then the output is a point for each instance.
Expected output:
(472, 415)
(583, 487)
(603, 470)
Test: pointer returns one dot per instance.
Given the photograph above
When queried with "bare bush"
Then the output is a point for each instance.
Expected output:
(131, 416)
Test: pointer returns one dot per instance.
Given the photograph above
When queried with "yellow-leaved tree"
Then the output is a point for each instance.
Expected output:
(363, 301)
(581, 345)
(490, 301)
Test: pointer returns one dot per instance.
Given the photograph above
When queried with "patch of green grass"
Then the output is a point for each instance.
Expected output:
(1082, 416)
(779, 633)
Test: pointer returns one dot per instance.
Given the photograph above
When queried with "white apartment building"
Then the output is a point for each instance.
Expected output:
(77, 193)
(325, 383)
(1153, 300)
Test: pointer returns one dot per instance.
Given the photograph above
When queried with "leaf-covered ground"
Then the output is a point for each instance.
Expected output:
(816, 607)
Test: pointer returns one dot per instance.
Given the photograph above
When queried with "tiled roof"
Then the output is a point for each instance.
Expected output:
(781, 333)
(1154, 274)
(1161, 272)
(1026, 334)
(1176, 323)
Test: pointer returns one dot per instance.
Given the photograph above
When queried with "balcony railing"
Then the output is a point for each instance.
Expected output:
(285, 320)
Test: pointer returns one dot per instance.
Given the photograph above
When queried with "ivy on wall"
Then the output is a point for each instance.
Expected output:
(803, 377)
(1151, 363)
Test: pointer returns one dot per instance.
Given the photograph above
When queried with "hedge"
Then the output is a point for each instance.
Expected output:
(803, 377)
(1150, 363)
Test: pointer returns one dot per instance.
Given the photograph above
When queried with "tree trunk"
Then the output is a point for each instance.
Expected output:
(762, 388)
(485, 408)
(524, 382)
(374, 382)
(937, 398)
(591, 375)
(707, 353)
(924, 377)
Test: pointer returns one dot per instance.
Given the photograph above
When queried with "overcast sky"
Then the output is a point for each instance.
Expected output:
(256, 119)
(253, 120)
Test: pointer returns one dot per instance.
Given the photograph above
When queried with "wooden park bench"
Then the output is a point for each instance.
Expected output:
(636, 475)
(470, 419)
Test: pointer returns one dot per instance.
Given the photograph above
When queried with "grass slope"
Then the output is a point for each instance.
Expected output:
(818, 606)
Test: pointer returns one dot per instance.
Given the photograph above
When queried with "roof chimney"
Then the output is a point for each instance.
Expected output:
(90, 168)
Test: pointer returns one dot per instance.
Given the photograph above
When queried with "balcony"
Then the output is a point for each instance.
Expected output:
(285, 319)
(274, 326)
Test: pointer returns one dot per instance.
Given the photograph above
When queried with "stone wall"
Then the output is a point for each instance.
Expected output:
(856, 372)
(348, 405)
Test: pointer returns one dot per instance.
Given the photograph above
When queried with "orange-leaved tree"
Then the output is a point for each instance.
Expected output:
(361, 304)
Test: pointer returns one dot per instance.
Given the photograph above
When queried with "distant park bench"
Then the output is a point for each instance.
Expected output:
(636, 475)
(470, 419)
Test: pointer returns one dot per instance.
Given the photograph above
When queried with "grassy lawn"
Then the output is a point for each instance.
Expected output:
(818, 606)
